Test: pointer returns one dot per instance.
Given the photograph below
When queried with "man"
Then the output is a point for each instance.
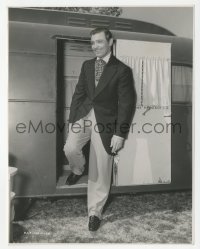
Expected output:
(101, 110)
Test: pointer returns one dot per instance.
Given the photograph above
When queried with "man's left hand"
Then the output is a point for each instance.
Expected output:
(116, 143)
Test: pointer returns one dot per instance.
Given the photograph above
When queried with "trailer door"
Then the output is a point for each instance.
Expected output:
(146, 156)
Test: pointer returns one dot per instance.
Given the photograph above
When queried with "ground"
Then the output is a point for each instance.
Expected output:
(131, 218)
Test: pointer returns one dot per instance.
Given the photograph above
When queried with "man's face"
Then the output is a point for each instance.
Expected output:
(100, 45)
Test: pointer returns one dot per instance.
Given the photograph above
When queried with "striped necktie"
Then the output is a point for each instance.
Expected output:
(99, 67)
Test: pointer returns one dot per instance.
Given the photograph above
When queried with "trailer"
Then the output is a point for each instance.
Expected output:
(46, 50)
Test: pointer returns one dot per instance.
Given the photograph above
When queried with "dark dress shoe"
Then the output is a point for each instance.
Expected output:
(94, 223)
(72, 179)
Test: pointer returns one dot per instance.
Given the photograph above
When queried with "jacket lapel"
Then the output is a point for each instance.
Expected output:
(108, 72)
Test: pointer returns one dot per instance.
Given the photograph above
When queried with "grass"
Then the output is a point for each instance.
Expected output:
(131, 218)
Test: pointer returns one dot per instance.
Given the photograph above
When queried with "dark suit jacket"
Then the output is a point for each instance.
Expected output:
(113, 100)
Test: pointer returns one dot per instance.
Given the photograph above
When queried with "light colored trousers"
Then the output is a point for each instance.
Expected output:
(100, 162)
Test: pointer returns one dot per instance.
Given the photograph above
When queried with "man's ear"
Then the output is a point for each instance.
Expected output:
(111, 42)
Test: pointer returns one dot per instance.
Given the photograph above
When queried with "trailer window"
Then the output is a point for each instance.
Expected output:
(181, 84)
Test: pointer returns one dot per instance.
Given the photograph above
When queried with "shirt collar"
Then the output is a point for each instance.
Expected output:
(105, 58)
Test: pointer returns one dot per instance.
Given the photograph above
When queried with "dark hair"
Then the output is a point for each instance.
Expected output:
(106, 31)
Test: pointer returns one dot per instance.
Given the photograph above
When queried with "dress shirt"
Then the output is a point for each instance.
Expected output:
(106, 57)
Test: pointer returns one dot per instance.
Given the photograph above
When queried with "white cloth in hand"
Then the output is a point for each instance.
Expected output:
(116, 143)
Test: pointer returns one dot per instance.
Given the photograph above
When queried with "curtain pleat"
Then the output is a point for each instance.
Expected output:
(152, 80)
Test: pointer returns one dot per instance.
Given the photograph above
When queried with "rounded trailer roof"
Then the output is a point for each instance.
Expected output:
(62, 24)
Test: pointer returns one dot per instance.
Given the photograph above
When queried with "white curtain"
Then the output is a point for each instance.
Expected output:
(152, 80)
(136, 64)
(151, 65)
(157, 82)
(152, 77)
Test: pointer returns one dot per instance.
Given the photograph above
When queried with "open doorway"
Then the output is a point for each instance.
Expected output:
(71, 53)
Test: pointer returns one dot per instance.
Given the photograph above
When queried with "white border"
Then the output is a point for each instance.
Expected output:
(4, 114)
